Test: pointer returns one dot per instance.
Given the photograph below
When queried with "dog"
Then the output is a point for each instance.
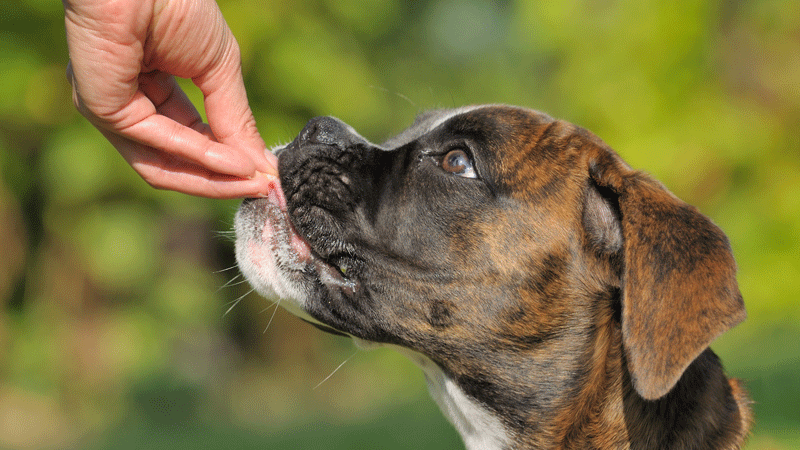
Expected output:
(554, 297)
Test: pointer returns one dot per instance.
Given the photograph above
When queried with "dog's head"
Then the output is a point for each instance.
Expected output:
(489, 230)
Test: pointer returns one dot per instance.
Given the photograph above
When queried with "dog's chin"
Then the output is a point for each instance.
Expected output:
(278, 262)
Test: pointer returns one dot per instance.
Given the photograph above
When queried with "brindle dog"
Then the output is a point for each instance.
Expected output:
(554, 297)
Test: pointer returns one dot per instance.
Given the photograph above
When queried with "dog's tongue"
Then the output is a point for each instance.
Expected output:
(282, 231)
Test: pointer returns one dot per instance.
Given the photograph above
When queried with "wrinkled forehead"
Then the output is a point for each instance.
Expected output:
(488, 118)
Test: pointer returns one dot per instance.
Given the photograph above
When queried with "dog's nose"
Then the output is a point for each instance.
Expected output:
(329, 131)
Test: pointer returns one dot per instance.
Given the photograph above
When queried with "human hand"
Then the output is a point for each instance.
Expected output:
(124, 55)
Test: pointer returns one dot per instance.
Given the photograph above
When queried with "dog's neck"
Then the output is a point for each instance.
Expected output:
(598, 407)
(479, 427)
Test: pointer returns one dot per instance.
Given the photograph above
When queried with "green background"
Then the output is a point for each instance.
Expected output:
(113, 296)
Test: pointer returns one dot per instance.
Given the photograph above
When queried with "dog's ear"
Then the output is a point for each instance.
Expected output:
(679, 289)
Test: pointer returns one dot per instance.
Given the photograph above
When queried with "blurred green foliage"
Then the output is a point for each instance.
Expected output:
(113, 327)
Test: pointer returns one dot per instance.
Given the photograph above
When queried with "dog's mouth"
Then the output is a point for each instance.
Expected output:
(271, 225)
(280, 262)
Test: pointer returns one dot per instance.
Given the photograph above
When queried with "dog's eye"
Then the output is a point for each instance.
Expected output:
(459, 163)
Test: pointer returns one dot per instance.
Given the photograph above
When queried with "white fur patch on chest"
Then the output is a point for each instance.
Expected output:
(479, 427)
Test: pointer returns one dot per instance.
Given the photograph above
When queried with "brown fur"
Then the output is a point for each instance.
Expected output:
(646, 378)
(571, 296)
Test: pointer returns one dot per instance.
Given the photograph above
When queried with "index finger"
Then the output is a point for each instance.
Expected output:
(169, 136)
(228, 110)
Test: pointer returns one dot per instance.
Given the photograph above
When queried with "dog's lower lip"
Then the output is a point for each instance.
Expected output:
(281, 228)
(278, 228)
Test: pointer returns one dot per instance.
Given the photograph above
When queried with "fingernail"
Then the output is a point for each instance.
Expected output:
(272, 182)
(270, 175)
(272, 160)
(271, 171)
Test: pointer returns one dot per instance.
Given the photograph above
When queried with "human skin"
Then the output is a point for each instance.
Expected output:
(124, 57)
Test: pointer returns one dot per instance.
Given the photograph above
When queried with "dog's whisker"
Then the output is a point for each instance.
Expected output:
(276, 304)
(232, 284)
(335, 370)
(271, 305)
(404, 97)
(235, 281)
(227, 283)
(235, 266)
(236, 302)
(227, 235)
